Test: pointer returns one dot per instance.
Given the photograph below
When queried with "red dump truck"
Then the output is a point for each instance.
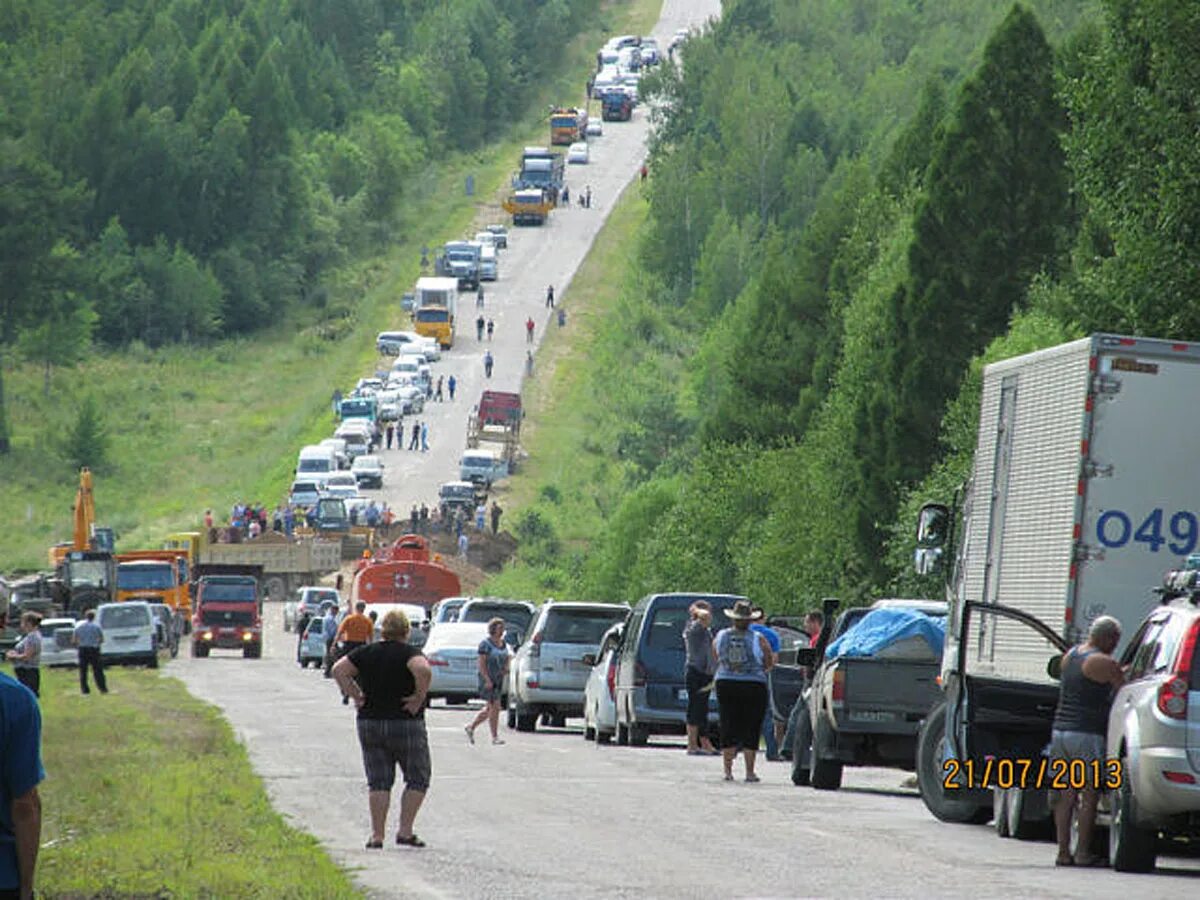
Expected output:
(496, 423)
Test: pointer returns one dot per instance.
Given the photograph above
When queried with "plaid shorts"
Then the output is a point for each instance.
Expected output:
(387, 743)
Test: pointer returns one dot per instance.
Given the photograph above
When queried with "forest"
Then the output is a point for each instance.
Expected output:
(178, 171)
(854, 205)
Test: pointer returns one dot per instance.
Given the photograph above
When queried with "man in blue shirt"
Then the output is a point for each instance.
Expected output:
(88, 637)
(20, 773)
(768, 725)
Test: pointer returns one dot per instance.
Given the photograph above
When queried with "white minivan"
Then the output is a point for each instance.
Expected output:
(130, 633)
(489, 265)
(316, 460)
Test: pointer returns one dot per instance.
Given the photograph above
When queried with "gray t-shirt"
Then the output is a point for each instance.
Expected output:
(697, 640)
(88, 634)
(30, 643)
(495, 661)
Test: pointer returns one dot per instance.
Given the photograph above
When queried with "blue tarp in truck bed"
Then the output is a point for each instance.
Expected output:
(883, 628)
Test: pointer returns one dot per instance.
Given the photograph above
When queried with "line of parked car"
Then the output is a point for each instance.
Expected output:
(135, 633)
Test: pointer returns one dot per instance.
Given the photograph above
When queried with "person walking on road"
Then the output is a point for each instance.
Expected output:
(529, 363)
(588, 203)
(479, 323)
(529, 326)
(388, 681)
(1090, 677)
(26, 656)
(493, 667)
(491, 328)
(329, 629)
(550, 296)
(389, 434)
(437, 393)
(451, 384)
(481, 517)
(743, 658)
(488, 362)
(356, 631)
(424, 437)
(87, 638)
(416, 436)
(496, 513)
(21, 822)
(698, 673)
(768, 725)
(479, 296)
(464, 542)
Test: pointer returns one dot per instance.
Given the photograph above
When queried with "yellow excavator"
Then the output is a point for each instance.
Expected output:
(85, 568)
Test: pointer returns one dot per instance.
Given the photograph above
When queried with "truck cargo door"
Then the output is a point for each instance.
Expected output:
(998, 507)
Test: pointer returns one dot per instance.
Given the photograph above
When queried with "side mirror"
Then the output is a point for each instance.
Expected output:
(1054, 666)
(589, 659)
(933, 525)
(806, 656)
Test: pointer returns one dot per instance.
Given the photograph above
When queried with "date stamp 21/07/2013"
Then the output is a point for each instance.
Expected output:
(1039, 773)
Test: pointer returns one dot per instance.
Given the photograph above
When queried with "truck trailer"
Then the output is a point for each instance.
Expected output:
(1083, 493)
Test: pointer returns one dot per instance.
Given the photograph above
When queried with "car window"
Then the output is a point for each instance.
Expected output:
(629, 647)
(579, 626)
(1147, 648)
(1167, 648)
(124, 617)
(666, 629)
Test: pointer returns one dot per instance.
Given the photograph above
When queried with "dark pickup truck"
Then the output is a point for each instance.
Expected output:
(862, 710)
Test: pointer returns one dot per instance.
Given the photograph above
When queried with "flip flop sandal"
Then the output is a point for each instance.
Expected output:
(411, 841)
(374, 845)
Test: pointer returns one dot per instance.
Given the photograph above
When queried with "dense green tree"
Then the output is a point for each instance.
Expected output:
(87, 440)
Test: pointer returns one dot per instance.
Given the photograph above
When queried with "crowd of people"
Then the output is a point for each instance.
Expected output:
(249, 521)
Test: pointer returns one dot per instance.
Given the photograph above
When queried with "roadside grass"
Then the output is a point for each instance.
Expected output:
(194, 427)
(571, 478)
(148, 794)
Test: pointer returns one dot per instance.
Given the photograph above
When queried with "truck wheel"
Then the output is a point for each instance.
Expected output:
(802, 750)
(825, 774)
(1130, 848)
(930, 775)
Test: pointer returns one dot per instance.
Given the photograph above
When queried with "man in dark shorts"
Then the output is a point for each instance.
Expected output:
(1090, 677)
(388, 682)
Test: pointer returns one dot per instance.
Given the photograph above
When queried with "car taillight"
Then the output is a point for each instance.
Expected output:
(639, 675)
(611, 678)
(1173, 691)
(839, 686)
(436, 661)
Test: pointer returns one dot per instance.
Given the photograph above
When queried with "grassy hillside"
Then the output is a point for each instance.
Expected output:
(193, 428)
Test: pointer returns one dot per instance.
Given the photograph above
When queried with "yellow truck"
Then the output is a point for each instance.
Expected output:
(434, 301)
(528, 206)
(280, 564)
(157, 576)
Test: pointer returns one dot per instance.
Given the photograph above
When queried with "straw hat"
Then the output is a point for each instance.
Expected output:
(743, 610)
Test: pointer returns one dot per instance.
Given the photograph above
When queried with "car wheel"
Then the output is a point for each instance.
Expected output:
(638, 735)
(152, 661)
(558, 721)
(1020, 825)
(603, 737)
(1130, 847)
(622, 734)
(589, 733)
(526, 720)
(824, 774)
(512, 717)
(199, 650)
(801, 750)
(931, 775)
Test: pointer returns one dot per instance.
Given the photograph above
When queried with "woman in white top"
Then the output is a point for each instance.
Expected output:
(26, 656)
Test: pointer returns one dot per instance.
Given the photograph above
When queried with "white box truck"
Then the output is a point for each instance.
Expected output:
(1084, 492)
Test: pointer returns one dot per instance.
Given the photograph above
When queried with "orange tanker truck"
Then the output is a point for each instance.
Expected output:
(404, 573)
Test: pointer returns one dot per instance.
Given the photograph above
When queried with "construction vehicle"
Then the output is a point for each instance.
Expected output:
(85, 572)
(459, 260)
(567, 125)
(228, 616)
(434, 309)
(406, 573)
(528, 206)
(282, 564)
(157, 576)
(616, 106)
(496, 423)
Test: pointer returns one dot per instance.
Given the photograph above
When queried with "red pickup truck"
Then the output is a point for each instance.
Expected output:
(228, 616)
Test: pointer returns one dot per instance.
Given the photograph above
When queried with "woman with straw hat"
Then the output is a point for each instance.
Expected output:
(743, 659)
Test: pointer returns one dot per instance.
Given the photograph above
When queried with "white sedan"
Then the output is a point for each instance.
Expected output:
(452, 650)
(578, 153)
(599, 706)
(57, 649)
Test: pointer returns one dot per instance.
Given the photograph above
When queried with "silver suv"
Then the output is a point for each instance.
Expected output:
(1154, 733)
(548, 675)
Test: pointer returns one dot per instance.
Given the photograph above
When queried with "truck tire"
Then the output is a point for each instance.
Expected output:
(824, 774)
(1130, 848)
(802, 750)
(930, 746)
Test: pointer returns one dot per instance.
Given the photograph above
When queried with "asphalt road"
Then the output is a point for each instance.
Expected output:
(536, 257)
(549, 815)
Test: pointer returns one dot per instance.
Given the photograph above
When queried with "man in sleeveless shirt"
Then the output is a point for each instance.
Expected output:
(1090, 677)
